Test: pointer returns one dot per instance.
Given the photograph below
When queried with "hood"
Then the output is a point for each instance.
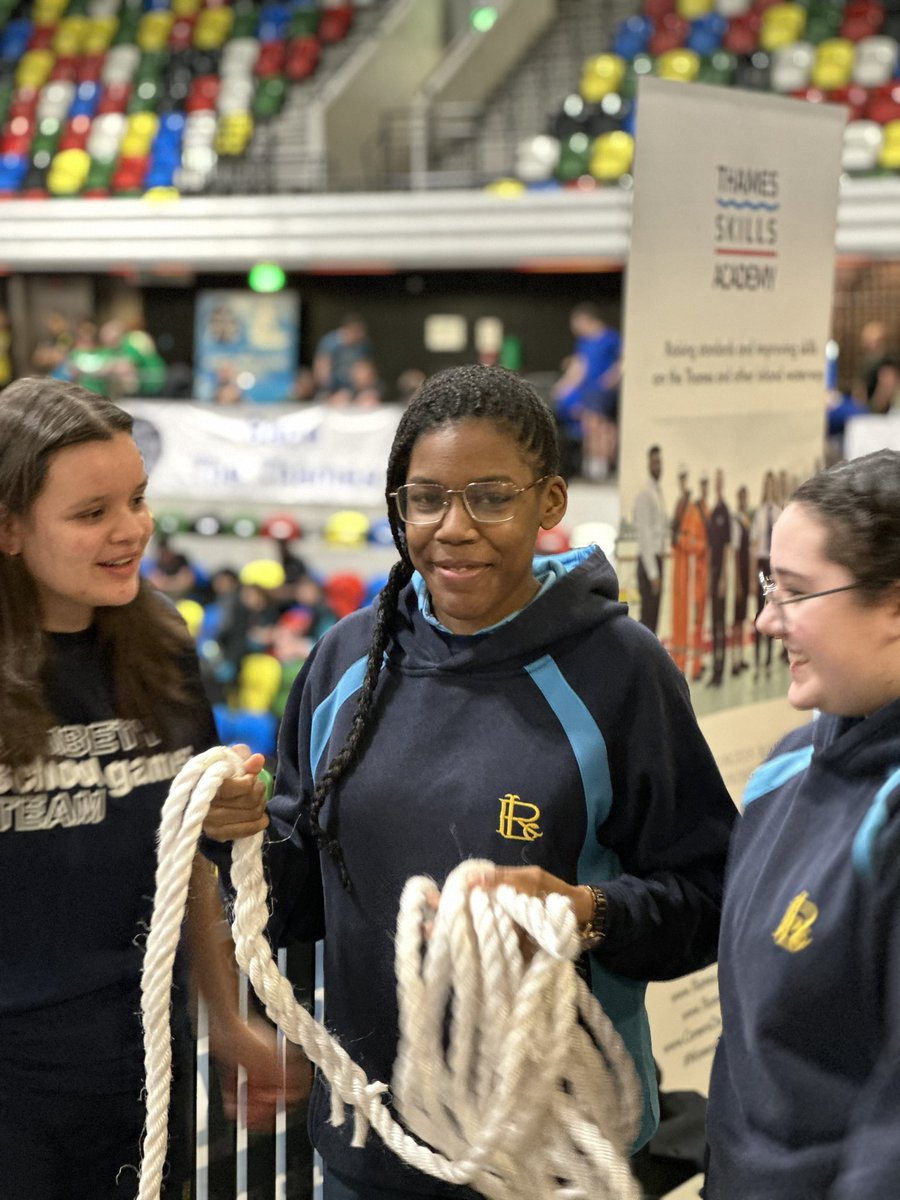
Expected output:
(586, 594)
(854, 746)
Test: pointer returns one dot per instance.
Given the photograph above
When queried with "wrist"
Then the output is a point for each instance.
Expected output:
(593, 930)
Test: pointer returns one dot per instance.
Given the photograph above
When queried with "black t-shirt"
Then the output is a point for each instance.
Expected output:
(77, 864)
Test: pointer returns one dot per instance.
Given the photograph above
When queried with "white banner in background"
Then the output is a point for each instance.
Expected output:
(280, 455)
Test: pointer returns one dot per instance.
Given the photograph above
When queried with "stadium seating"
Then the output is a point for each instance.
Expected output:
(190, 81)
(823, 51)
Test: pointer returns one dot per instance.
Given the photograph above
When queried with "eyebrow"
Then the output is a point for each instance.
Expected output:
(480, 479)
(103, 496)
(785, 575)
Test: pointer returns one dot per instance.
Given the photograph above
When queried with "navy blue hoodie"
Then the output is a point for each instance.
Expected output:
(563, 738)
(805, 1095)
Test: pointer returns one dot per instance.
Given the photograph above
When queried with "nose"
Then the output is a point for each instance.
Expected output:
(133, 525)
(771, 621)
(456, 524)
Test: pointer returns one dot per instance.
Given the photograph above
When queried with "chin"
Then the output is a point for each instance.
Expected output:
(800, 698)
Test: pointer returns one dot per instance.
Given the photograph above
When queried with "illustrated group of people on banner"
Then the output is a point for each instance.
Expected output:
(716, 553)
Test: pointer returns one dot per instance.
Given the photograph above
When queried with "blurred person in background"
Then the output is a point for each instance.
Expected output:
(337, 351)
(584, 395)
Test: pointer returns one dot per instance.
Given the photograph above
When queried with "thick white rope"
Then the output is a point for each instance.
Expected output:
(508, 1068)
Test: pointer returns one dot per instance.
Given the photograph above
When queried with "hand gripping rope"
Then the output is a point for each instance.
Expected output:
(506, 1067)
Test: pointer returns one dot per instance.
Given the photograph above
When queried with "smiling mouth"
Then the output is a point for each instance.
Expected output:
(119, 562)
(459, 568)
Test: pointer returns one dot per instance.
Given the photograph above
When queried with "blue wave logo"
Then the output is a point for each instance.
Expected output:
(754, 205)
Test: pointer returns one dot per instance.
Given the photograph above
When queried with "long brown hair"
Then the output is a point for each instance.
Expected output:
(142, 640)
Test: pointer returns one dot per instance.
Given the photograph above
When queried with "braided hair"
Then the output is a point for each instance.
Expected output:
(457, 394)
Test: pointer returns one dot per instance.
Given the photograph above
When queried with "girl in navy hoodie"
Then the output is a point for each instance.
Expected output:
(805, 1095)
(491, 705)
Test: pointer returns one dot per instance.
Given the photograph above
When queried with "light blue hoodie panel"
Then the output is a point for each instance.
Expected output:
(776, 772)
(326, 713)
(622, 999)
(873, 823)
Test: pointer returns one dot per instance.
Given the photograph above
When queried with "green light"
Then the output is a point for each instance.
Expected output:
(483, 18)
(266, 277)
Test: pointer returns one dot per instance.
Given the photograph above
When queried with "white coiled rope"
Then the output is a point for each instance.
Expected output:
(509, 1069)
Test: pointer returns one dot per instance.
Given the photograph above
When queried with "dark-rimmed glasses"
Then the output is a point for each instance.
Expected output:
(488, 502)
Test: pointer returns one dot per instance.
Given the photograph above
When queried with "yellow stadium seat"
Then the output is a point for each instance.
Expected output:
(259, 681)
(690, 10)
(191, 614)
(154, 29)
(347, 528)
(612, 155)
(781, 25)
(143, 125)
(262, 572)
(834, 64)
(99, 34)
(48, 12)
(506, 188)
(601, 75)
(67, 178)
(213, 28)
(680, 65)
(889, 154)
(34, 68)
(186, 8)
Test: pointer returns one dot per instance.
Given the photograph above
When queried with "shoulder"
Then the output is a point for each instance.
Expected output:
(789, 758)
(346, 642)
(619, 656)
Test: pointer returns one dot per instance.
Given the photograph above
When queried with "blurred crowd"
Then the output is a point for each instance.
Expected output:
(109, 358)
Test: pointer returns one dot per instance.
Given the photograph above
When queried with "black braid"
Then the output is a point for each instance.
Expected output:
(456, 394)
(401, 573)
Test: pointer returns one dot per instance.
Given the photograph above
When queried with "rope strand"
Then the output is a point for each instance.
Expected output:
(532, 1096)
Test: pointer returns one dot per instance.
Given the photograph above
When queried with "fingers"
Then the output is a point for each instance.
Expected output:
(239, 807)
(253, 762)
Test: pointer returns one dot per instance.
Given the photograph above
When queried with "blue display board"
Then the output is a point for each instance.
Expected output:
(245, 346)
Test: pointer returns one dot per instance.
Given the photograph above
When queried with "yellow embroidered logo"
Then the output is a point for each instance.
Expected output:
(793, 933)
(519, 819)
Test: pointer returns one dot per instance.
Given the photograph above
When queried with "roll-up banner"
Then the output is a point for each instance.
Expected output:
(728, 307)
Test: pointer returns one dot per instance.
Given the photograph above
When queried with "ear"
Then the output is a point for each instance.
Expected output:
(892, 605)
(556, 500)
(10, 533)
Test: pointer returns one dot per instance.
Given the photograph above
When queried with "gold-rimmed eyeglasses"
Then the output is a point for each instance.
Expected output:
(486, 501)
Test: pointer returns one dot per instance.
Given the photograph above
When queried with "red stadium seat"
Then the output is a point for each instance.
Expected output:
(334, 23)
(862, 19)
(742, 34)
(856, 99)
(302, 58)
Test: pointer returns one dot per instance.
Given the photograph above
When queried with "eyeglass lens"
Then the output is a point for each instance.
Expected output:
(425, 503)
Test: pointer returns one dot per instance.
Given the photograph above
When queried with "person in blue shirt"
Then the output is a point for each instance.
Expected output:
(586, 395)
(804, 1101)
(338, 352)
(491, 705)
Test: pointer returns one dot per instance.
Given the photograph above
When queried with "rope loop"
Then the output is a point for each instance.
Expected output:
(509, 1077)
